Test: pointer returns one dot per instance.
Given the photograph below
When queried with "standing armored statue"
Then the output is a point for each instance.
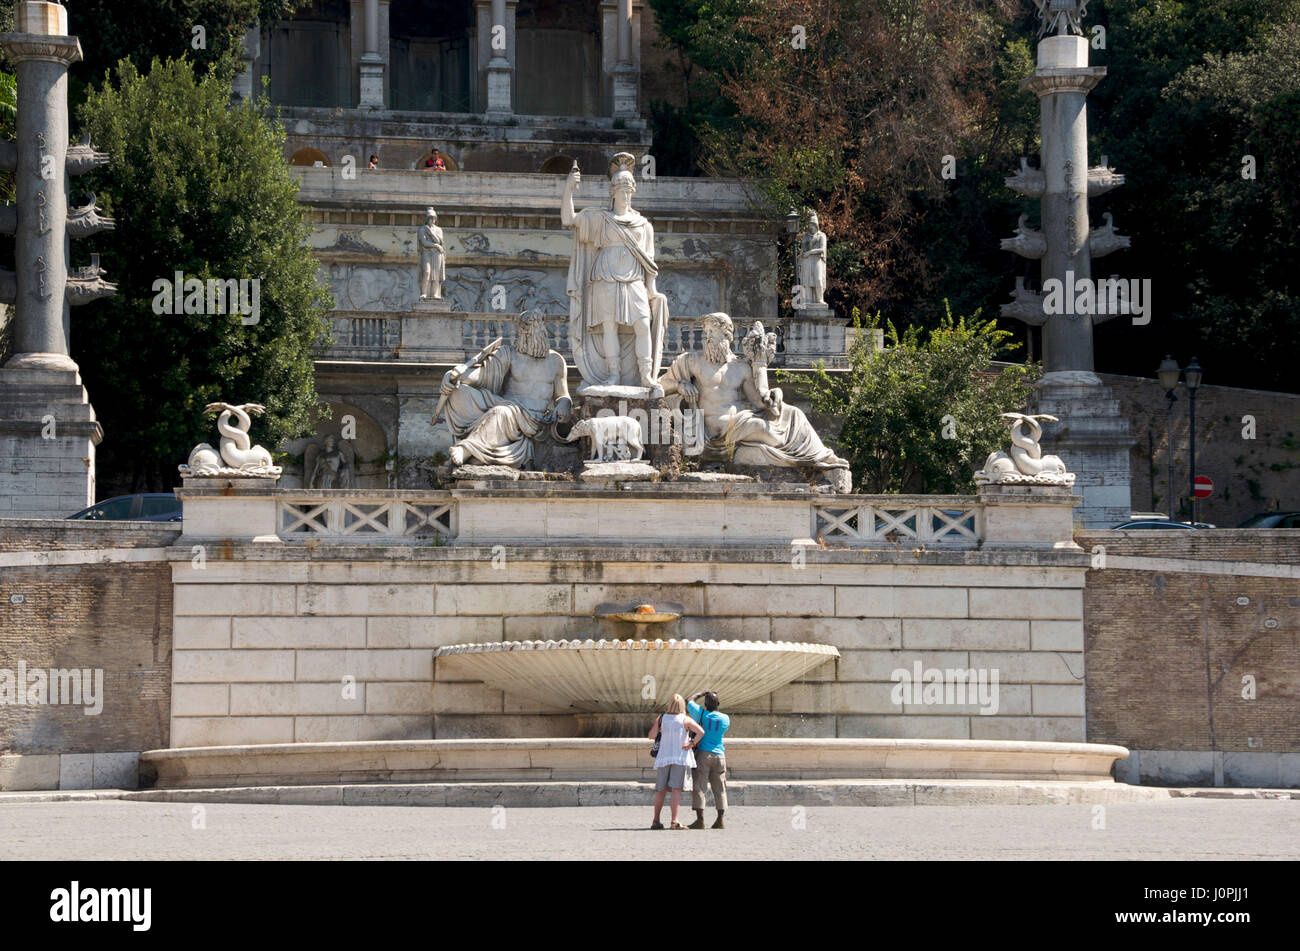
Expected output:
(617, 317)
(433, 258)
(812, 263)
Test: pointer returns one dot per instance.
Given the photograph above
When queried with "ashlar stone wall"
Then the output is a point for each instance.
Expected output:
(293, 644)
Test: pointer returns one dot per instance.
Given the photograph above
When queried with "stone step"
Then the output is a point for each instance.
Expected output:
(749, 793)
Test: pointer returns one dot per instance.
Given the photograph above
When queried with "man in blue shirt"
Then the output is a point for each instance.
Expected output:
(710, 757)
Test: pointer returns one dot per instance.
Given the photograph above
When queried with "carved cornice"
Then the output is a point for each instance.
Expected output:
(1047, 82)
(35, 47)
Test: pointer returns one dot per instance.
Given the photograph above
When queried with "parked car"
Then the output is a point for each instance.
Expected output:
(142, 507)
(1159, 523)
(1272, 520)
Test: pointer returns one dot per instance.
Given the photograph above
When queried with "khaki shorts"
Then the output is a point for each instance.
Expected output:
(670, 777)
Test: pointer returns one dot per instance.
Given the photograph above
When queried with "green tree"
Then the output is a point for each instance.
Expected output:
(1194, 87)
(142, 30)
(923, 414)
(197, 186)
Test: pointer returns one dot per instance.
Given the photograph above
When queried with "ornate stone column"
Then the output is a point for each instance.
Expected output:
(496, 55)
(41, 253)
(370, 20)
(1093, 436)
(621, 56)
(48, 430)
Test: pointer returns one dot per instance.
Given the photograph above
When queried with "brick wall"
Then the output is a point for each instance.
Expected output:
(1250, 475)
(1167, 641)
(87, 612)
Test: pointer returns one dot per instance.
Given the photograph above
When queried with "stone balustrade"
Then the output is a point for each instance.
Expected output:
(454, 337)
(688, 512)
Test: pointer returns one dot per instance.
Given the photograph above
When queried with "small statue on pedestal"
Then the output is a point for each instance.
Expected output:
(239, 455)
(812, 266)
(1025, 463)
(433, 258)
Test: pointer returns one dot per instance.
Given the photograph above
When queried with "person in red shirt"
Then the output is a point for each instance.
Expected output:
(435, 162)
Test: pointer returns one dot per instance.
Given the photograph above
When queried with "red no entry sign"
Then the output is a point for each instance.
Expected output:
(1203, 487)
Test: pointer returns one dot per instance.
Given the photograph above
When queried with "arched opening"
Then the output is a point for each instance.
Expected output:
(430, 54)
(310, 158)
(559, 165)
(422, 164)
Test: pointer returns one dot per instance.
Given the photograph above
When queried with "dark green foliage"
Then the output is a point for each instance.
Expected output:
(893, 404)
(140, 30)
(201, 187)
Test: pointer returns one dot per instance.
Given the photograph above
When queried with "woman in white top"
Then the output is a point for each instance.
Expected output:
(675, 756)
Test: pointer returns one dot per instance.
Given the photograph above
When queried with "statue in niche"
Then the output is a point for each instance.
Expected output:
(497, 402)
(331, 465)
(433, 258)
(812, 264)
(617, 317)
(743, 416)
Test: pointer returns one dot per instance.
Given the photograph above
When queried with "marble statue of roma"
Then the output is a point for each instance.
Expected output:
(498, 402)
(742, 414)
(812, 262)
(617, 317)
(433, 258)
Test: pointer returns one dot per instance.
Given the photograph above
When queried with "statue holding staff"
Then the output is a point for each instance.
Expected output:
(617, 317)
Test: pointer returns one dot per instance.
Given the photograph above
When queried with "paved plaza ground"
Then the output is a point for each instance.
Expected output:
(1176, 829)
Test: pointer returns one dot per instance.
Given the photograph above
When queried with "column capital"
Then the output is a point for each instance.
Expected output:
(37, 47)
(1046, 82)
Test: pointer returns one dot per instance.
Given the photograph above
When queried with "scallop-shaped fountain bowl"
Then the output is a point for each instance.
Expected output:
(610, 676)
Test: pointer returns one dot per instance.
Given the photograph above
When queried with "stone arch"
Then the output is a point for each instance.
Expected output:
(308, 157)
(447, 159)
(370, 446)
(557, 165)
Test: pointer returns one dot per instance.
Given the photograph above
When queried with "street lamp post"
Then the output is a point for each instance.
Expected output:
(1192, 377)
(792, 229)
(1169, 373)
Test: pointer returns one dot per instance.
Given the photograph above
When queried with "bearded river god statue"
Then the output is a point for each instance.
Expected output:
(617, 317)
(498, 402)
(744, 418)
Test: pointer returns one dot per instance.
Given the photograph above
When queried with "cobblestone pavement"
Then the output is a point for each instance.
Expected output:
(1176, 829)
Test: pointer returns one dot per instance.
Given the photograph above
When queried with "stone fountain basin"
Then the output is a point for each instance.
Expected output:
(610, 676)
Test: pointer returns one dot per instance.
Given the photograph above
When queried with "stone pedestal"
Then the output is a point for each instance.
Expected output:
(432, 306)
(372, 82)
(234, 507)
(1093, 440)
(499, 78)
(48, 435)
(625, 91)
(660, 425)
(821, 311)
(1019, 516)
